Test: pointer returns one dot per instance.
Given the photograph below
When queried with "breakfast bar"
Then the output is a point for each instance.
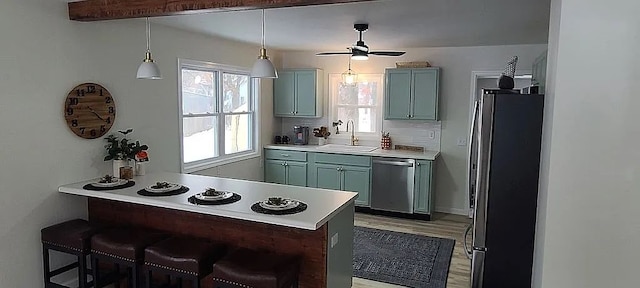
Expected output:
(321, 235)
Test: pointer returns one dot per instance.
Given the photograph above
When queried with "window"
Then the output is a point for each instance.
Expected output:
(360, 102)
(217, 114)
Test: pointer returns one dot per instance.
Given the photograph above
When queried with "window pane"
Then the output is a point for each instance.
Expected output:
(363, 118)
(199, 138)
(237, 133)
(368, 93)
(236, 93)
(198, 92)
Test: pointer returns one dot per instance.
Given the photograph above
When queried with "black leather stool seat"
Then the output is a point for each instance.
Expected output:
(73, 234)
(125, 243)
(246, 268)
(184, 255)
(71, 237)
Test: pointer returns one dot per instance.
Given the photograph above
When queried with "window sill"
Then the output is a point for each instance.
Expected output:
(219, 162)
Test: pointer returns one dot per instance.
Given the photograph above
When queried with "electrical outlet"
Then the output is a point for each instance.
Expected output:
(462, 141)
(334, 240)
(432, 134)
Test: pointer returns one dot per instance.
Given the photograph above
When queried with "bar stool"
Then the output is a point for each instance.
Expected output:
(182, 258)
(251, 269)
(123, 247)
(71, 237)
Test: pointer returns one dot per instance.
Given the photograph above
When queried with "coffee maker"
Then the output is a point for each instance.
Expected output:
(300, 135)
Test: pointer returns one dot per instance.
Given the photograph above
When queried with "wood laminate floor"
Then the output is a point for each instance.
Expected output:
(442, 225)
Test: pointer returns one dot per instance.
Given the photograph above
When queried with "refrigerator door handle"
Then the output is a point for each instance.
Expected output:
(477, 269)
(472, 157)
(468, 251)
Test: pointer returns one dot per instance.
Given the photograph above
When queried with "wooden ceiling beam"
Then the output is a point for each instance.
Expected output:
(97, 10)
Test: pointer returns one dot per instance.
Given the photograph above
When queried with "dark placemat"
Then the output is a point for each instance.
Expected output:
(232, 199)
(182, 190)
(258, 209)
(96, 188)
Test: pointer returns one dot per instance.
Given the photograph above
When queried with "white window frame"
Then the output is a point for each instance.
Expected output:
(254, 104)
(334, 79)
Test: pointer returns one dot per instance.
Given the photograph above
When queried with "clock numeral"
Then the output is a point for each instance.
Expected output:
(74, 123)
(108, 100)
(73, 101)
(103, 129)
(111, 110)
(69, 111)
(101, 92)
(93, 132)
(91, 89)
(82, 131)
(80, 92)
(109, 120)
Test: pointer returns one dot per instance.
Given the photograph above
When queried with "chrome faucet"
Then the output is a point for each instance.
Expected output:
(354, 140)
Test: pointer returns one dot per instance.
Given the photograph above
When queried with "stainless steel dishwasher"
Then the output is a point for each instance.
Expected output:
(393, 184)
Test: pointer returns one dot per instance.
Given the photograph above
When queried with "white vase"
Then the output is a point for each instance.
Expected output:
(322, 141)
(116, 166)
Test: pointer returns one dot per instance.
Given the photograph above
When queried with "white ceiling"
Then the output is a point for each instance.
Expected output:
(394, 24)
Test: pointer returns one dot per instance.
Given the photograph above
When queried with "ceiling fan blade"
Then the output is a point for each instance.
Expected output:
(387, 53)
(333, 53)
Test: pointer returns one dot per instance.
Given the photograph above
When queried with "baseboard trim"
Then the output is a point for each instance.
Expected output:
(450, 210)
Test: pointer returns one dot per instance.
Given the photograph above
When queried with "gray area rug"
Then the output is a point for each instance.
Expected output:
(400, 258)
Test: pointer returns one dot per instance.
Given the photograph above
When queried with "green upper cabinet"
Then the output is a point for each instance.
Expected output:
(423, 194)
(298, 93)
(412, 94)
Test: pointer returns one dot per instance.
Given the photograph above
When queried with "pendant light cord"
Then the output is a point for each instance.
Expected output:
(263, 28)
(148, 36)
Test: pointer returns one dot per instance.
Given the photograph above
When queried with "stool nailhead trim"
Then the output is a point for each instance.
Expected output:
(63, 246)
(171, 268)
(112, 255)
(230, 282)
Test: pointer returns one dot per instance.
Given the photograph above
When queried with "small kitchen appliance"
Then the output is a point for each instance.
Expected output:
(300, 135)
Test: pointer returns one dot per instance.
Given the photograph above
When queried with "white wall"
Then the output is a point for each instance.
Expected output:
(43, 56)
(455, 80)
(589, 216)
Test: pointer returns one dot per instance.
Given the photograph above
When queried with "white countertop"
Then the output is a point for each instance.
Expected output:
(426, 155)
(322, 204)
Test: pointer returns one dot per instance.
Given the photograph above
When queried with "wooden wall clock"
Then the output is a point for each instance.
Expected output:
(89, 110)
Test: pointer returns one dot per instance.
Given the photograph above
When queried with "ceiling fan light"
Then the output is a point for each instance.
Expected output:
(359, 57)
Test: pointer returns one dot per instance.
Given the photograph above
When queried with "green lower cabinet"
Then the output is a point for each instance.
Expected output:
(275, 172)
(285, 172)
(422, 200)
(296, 173)
(328, 176)
(357, 179)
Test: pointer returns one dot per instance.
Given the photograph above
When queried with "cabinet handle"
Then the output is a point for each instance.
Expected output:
(284, 155)
(408, 116)
(286, 164)
(418, 164)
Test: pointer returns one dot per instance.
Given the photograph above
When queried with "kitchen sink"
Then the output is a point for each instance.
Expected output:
(345, 148)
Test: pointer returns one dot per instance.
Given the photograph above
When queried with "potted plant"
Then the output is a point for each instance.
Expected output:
(322, 133)
(122, 151)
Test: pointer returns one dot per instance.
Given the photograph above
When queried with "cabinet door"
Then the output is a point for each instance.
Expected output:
(305, 91)
(422, 189)
(296, 173)
(328, 176)
(357, 179)
(424, 95)
(398, 94)
(275, 172)
(283, 97)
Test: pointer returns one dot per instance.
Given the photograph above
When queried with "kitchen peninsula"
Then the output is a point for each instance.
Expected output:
(322, 235)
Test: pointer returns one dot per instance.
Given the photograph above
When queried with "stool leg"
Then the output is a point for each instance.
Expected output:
(45, 261)
(196, 282)
(82, 271)
(116, 267)
(134, 275)
(148, 276)
(96, 271)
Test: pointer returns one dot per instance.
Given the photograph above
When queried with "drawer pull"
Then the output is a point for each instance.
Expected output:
(285, 155)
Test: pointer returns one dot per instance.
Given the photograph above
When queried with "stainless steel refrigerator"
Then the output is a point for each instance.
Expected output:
(504, 165)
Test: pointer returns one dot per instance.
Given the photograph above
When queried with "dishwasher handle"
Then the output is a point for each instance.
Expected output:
(394, 163)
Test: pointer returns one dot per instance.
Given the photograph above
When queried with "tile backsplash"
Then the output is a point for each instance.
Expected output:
(411, 132)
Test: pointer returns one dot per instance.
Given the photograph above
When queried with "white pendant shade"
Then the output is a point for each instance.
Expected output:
(263, 68)
(149, 70)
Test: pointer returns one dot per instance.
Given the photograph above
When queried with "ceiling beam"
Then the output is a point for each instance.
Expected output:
(97, 10)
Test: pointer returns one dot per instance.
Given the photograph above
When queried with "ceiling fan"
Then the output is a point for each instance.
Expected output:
(360, 51)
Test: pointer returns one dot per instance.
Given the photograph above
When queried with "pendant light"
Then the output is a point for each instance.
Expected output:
(263, 68)
(148, 69)
(350, 77)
